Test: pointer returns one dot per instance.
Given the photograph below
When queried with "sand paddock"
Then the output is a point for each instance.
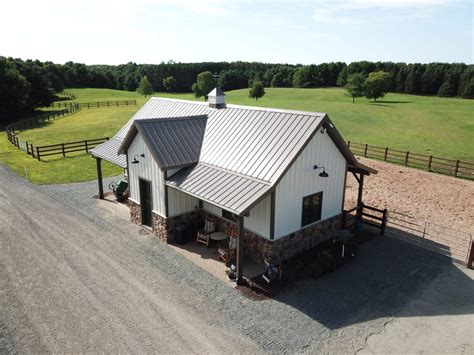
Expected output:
(433, 197)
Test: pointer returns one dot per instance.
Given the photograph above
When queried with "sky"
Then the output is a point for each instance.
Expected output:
(273, 31)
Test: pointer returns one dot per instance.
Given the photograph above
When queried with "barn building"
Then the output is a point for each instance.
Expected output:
(276, 178)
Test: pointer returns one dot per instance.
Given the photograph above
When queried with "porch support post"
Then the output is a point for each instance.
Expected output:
(361, 189)
(240, 250)
(359, 197)
(99, 177)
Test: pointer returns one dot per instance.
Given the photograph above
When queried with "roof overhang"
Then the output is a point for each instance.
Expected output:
(352, 163)
(223, 188)
(108, 151)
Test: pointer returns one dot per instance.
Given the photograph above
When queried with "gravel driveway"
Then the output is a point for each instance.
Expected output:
(75, 276)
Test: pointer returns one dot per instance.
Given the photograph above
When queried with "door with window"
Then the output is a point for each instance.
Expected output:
(145, 201)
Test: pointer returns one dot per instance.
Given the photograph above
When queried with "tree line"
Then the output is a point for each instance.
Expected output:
(27, 84)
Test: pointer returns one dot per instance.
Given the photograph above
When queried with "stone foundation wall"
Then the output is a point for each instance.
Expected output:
(275, 251)
(135, 212)
(255, 246)
(163, 228)
(295, 243)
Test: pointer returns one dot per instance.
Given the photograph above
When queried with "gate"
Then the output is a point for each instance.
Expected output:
(440, 239)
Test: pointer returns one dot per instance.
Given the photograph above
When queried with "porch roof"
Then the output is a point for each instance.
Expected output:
(108, 151)
(226, 189)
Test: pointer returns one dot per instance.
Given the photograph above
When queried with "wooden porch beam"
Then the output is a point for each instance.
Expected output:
(99, 177)
(240, 250)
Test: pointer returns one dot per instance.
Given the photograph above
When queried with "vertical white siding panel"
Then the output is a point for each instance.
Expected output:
(302, 180)
(147, 169)
(258, 220)
(180, 203)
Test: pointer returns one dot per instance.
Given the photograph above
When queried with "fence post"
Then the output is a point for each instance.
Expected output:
(386, 152)
(470, 258)
(365, 151)
(349, 144)
(456, 169)
(87, 148)
(384, 222)
(38, 153)
(429, 162)
(406, 158)
(62, 148)
(32, 150)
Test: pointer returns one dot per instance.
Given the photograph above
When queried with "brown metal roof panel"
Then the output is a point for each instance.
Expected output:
(218, 186)
(169, 139)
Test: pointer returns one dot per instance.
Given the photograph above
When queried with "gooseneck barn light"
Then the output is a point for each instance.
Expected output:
(135, 160)
(323, 173)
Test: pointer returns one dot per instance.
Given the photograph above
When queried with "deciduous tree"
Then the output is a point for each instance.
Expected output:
(355, 85)
(377, 85)
(257, 90)
(204, 84)
(145, 88)
(169, 83)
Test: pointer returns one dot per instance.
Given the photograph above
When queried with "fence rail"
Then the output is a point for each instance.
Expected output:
(96, 104)
(60, 148)
(440, 239)
(63, 148)
(37, 121)
(431, 163)
(369, 215)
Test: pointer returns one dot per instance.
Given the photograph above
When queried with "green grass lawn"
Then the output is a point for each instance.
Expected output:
(443, 127)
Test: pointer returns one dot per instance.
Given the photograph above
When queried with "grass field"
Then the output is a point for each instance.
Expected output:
(443, 127)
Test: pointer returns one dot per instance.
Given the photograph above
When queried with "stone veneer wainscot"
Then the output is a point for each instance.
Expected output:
(255, 246)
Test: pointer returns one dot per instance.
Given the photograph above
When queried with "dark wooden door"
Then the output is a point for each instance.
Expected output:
(145, 201)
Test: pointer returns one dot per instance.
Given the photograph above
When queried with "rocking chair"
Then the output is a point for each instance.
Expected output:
(228, 254)
(204, 235)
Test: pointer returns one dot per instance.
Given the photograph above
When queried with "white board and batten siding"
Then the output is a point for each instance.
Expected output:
(258, 220)
(302, 180)
(149, 170)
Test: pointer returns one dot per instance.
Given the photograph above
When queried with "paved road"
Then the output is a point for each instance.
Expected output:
(75, 276)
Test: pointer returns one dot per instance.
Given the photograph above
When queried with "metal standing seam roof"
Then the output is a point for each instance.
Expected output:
(108, 151)
(173, 142)
(250, 145)
(158, 107)
(220, 187)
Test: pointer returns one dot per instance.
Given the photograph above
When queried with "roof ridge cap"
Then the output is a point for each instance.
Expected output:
(179, 100)
(170, 119)
(270, 109)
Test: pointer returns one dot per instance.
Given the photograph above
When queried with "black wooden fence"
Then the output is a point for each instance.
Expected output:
(36, 121)
(96, 104)
(431, 163)
(60, 148)
(63, 148)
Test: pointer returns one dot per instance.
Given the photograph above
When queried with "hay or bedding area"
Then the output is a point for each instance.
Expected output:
(440, 199)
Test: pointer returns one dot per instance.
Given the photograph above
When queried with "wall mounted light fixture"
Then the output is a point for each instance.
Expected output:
(323, 173)
(135, 160)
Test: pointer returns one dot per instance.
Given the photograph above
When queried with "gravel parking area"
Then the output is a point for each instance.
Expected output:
(75, 276)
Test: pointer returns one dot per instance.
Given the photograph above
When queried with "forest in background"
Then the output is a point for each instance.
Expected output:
(29, 84)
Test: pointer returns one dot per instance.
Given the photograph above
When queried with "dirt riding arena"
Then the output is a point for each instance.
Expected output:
(440, 199)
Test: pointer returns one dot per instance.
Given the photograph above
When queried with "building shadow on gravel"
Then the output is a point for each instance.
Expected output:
(385, 276)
